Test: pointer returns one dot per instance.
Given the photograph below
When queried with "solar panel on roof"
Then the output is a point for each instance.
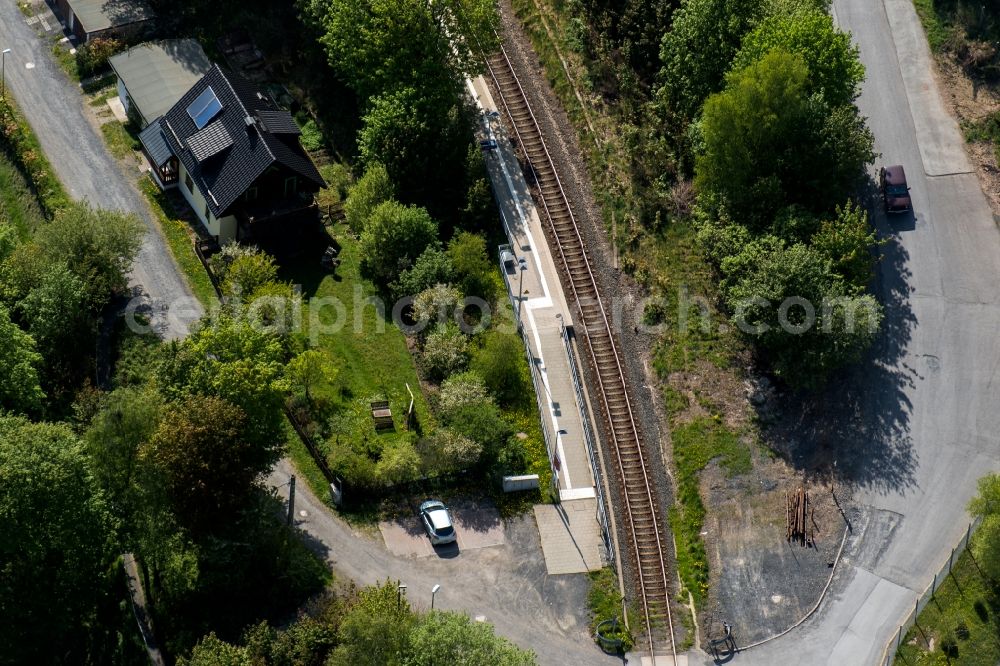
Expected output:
(204, 107)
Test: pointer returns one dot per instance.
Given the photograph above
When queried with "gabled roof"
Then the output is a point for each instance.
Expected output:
(157, 74)
(97, 15)
(236, 145)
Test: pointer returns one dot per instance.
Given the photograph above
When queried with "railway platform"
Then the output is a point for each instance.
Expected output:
(571, 542)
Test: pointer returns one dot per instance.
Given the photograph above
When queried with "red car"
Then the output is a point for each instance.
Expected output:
(895, 193)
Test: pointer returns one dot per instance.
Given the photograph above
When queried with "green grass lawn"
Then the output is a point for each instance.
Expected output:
(18, 205)
(122, 141)
(180, 238)
(963, 621)
(369, 351)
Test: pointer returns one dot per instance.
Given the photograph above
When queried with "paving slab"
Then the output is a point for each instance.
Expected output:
(405, 537)
(118, 109)
(477, 527)
(571, 536)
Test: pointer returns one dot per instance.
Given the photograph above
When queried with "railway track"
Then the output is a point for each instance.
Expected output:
(642, 519)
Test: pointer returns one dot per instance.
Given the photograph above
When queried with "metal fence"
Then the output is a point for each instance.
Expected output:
(588, 439)
(889, 654)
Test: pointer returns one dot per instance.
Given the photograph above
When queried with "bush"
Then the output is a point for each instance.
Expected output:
(431, 268)
(437, 304)
(445, 352)
(456, 450)
(247, 273)
(372, 189)
(393, 237)
(224, 258)
(473, 267)
(93, 56)
(499, 361)
(461, 390)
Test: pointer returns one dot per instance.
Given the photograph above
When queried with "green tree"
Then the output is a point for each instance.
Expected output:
(57, 317)
(499, 360)
(445, 351)
(421, 139)
(376, 45)
(432, 267)
(697, 51)
(208, 466)
(248, 273)
(473, 267)
(212, 651)
(767, 143)
(847, 241)
(98, 246)
(789, 301)
(57, 545)
(986, 543)
(835, 69)
(372, 189)
(20, 389)
(310, 370)
(393, 238)
(399, 462)
(113, 441)
(453, 638)
(375, 629)
(228, 358)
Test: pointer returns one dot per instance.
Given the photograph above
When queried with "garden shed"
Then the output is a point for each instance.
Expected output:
(154, 75)
(88, 19)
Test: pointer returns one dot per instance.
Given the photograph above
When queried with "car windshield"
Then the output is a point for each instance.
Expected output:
(896, 190)
(445, 531)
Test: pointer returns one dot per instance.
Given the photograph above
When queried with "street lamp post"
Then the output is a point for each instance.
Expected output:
(3, 73)
(400, 591)
(434, 591)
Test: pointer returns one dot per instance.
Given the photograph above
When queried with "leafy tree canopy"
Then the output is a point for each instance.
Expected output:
(57, 544)
(373, 188)
(20, 389)
(393, 239)
(767, 143)
(835, 69)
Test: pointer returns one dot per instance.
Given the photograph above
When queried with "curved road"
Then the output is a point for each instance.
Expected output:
(54, 108)
(925, 426)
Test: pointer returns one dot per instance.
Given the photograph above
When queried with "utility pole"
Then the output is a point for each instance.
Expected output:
(3, 74)
(291, 499)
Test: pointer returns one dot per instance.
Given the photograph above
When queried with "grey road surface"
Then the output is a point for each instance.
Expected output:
(925, 425)
(54, 108)
(504, 585)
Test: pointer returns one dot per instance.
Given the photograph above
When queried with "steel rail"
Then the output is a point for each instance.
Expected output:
(640, 504)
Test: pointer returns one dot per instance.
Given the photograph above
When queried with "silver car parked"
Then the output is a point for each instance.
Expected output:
(437, 522)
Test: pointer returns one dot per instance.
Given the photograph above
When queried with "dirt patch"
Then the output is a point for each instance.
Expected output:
(761, 583)
(971, 101)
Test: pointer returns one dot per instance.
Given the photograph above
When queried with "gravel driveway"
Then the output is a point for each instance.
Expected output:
(54, 108)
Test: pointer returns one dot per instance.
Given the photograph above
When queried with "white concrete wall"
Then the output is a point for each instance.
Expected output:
(224, 228)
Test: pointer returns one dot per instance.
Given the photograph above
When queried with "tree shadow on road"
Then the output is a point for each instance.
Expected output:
(857, 428)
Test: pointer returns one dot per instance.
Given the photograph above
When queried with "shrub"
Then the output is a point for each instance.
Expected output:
(498, 361)
(472, 265)
(399, 463)
(247, 273)
(393, 237)
(445, 352)
(461, 390)
(311, 137)
(93, 56)
(431, 268)
(230, 252)
(372, 189)
(437, 304)
(456, 450)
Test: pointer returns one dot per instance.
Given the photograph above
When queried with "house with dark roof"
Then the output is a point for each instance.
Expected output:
(88, 19)
(234, 155)
(154, 75)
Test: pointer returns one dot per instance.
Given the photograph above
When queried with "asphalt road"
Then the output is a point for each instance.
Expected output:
(54, 108)
(506, 585)
(924, 424)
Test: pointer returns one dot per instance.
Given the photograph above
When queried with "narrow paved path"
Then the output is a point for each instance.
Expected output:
(55, 109)
(923, 424)
(506, 585)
